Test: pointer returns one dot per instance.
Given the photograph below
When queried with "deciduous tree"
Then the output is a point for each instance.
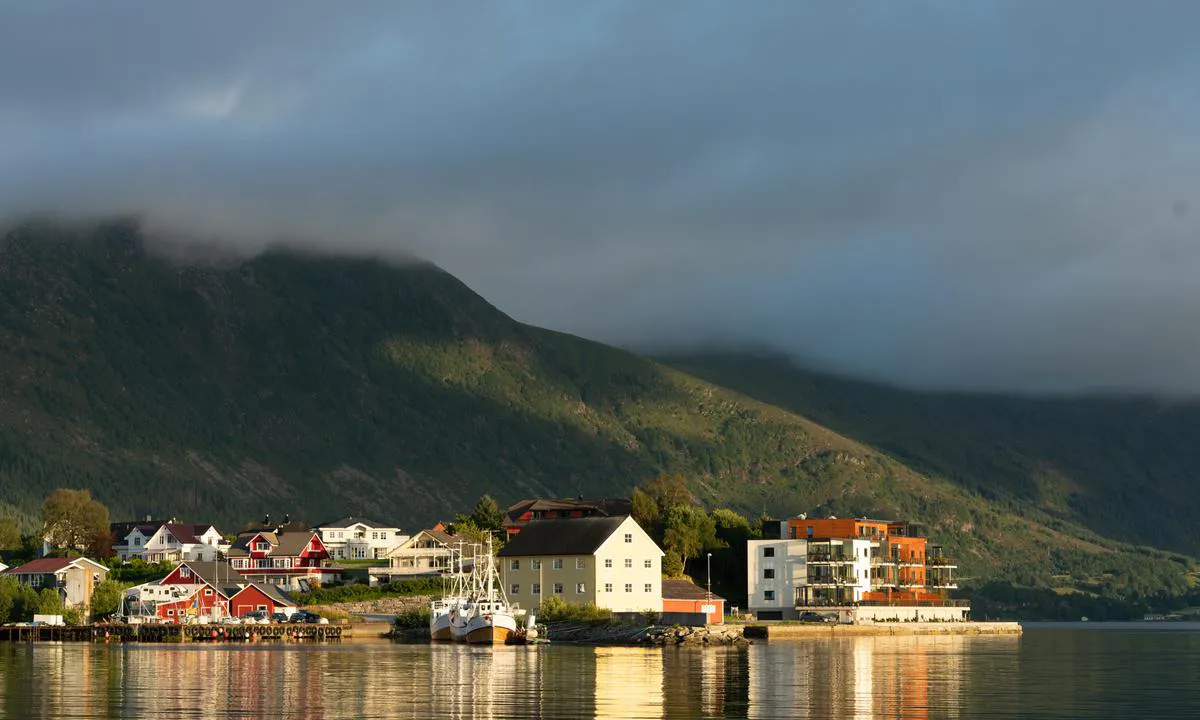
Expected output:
(74, 521)
(10, 534)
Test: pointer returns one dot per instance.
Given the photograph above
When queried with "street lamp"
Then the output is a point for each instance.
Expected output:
(708, 592)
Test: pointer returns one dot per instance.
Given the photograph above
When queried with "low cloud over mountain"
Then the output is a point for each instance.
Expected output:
(994, 196)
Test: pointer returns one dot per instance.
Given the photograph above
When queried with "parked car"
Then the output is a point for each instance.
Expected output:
(255, 617)
(817, 617)
(279, 617)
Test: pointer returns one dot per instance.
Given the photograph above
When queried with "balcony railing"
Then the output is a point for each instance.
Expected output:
(829, 558)
(939, 561)
(831, 602)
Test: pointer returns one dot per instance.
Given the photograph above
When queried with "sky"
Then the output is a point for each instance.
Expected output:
(997, 196)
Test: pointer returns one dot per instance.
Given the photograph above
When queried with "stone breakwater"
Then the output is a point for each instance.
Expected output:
(381, 606)
(604, 634)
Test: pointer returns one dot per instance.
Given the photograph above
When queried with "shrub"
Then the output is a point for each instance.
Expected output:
(555, 609)
(416, 617)
(360, 593)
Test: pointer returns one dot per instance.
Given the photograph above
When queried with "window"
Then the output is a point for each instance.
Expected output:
(262, 545)
(558, 563)
(207, 592)
(769, 595)
(580, 589)
(648, 564)
(514, 564)
(536, 564)
(185, 572)
(580, 564)
(607, 587)
(608, 563)
(558, 588)
(768, 573)
(536, 590)
(628, 537)
(628, 562)
(649, 587)
(628, 587)
(35, 580)
(768, 552)
(514, 589)
(170, 613)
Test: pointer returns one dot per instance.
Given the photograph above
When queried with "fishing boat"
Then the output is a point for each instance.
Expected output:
(442, 609)
(491, 620)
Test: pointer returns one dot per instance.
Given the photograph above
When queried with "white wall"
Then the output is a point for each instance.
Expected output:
(788, 563)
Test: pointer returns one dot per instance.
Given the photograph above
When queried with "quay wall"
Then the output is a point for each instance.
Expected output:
(786, 631)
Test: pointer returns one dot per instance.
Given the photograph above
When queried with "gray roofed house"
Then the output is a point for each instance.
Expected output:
(356, 538)
(608, 561)
(577, 536)
(292, 559)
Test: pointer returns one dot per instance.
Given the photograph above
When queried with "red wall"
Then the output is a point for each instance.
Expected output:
(250, 598)
(181, 607)
(716, 617)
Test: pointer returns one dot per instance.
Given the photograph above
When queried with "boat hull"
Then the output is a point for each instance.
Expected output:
(440, 633)
(497, 629)
(490, 635)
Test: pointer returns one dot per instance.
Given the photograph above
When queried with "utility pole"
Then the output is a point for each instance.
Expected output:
(708, 592)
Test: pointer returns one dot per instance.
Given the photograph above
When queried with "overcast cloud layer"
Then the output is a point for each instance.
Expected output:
(984, 195)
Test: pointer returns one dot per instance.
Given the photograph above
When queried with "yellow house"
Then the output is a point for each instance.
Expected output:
(608, 561)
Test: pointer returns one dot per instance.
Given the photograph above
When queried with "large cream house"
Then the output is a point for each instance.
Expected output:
(608, 561)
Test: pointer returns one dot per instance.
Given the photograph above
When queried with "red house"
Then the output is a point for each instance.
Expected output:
(291, 559)
(684, 596)
(257, 596)
(202, 586)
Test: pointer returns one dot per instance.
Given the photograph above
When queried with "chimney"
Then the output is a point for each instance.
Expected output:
(148, 518)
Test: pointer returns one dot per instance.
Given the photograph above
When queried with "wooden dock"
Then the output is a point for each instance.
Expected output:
(169, 633)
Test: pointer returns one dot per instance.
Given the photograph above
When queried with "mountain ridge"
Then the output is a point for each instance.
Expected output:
(292, 383)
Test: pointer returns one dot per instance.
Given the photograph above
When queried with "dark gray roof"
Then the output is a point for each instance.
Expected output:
(271, 591)
(351, 520)
(685, 590)
(218, 574)
(577, 536)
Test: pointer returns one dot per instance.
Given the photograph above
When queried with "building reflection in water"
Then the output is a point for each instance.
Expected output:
(866, 677)
(861, 677)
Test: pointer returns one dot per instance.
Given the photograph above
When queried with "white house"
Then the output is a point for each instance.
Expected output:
(352, 538)
(428, 551)
(608, 561)
(184, 542)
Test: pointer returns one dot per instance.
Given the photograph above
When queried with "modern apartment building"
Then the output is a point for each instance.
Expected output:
(842, 562)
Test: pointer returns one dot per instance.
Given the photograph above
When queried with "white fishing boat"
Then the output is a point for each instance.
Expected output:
(441, 609)
(491, 620)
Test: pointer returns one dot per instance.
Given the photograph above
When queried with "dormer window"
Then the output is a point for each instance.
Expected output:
(262, 545)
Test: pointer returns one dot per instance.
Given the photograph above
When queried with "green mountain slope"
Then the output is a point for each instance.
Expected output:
(1125, 467)
(321, 386)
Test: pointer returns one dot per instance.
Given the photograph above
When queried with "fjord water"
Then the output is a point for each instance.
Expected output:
(1097, 671)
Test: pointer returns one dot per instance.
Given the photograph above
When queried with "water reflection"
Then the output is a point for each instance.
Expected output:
(1043, 674)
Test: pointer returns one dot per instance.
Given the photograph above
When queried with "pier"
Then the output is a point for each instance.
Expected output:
(787, 631)
(169, 633)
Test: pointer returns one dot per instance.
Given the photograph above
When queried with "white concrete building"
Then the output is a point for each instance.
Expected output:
(775, 570)
(352, 538)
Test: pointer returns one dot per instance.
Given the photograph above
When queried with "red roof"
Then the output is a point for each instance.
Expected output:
(41, 566)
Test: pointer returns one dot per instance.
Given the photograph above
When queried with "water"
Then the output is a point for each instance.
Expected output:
(1076, 671)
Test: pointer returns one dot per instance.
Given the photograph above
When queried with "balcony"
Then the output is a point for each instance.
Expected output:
(824, 558)
(939, 561)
